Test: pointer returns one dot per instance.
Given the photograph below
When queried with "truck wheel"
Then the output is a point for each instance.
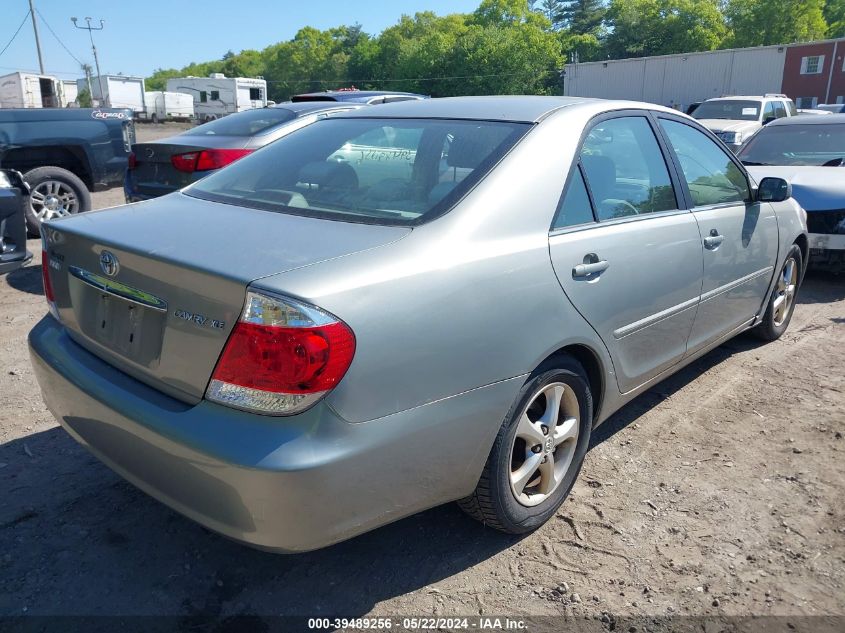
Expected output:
(154, 118)
(56, 192)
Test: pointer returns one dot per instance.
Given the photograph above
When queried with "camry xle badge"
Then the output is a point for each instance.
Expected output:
(109, 264)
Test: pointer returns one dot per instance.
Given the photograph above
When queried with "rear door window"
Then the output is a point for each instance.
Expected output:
(626, 170)
(574, 208)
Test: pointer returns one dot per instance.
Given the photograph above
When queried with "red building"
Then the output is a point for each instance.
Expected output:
(815, 73)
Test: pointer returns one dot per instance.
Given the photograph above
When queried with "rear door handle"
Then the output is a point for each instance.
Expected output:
(714, 240)
(586, 270)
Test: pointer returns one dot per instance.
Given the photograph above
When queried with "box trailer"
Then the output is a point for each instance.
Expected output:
(119, 91)
(68, 93)
(168, 106)
(217, 95)
(28, 90)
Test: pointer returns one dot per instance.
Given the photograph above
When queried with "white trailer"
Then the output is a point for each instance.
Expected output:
(217, 95)
(682, 79)
(68, 93)
(168, 106)
(119, 91)
(28, 90)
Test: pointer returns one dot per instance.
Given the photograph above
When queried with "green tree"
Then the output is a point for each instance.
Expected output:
(83, 98)
(583, 17)
(834, 15)
(639, 28)
(762, 22)
(551, 9)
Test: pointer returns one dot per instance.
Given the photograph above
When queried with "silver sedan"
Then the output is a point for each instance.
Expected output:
(398, 307)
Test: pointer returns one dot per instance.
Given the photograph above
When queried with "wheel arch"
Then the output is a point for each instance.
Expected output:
(592, 364)
(70, 157)
(804, 245)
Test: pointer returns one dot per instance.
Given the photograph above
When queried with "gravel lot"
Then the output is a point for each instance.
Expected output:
(718, 492)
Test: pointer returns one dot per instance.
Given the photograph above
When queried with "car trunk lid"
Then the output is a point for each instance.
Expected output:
(154, 174)
(155, 288)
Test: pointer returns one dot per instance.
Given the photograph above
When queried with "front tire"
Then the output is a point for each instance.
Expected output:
(55, 193)
(782, 301)
(538, 452)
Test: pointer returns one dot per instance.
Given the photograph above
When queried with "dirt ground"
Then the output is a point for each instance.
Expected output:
(717, 493)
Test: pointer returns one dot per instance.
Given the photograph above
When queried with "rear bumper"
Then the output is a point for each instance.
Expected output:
(283, 484)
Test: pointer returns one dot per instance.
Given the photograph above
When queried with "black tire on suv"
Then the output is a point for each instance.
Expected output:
(55, 192)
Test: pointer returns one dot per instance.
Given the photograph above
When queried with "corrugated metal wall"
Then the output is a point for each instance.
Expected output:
(680, 79)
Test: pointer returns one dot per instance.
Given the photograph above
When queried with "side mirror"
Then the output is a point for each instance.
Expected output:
(774, 190)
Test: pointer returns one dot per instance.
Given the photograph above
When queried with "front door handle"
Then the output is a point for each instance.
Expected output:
(586, 270)
(714, 240)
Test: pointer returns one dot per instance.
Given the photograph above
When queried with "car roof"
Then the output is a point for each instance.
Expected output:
(352, 95)
(809, 120)
(747, 97)
(524, 109)
(307, 107)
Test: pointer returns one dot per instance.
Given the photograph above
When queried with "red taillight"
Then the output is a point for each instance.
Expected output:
(132, 162)
(281, 357)
(45, 275)
(185, 162)
(207, 160)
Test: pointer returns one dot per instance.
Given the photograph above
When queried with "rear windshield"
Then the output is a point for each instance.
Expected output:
(812, 144)
(731, 109)
(247, 123)
(382, 171)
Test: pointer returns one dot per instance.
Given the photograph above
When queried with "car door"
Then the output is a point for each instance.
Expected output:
(740, 237)
(626, 253)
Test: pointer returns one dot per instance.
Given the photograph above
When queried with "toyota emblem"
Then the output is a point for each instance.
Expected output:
(109, 264)
(150, 152)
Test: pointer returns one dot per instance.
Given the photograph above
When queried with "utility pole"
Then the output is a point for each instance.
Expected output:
(37, 40)
(90, 30)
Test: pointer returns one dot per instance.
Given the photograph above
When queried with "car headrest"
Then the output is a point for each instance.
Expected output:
(328, 174)
(465, 152)
(601, 174)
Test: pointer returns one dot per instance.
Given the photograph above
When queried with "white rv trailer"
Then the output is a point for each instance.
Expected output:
(119, 91)
(217, 95)
(29, 90)
(168, 106)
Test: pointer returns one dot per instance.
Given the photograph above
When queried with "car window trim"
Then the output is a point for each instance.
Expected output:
(731, 156)
(668, 159)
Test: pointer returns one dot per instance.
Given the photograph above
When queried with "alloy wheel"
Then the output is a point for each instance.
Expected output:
(785, 291)
(544, 444)
(53, 199)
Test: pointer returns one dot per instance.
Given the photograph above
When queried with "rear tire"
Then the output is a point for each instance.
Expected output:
(782, 301)
(55, 192)
(154, 119)
(513, 495)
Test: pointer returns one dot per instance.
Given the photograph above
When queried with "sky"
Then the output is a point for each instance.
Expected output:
(141, 36)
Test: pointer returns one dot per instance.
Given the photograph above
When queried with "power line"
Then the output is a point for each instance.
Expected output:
(16, 33)
(67, 50)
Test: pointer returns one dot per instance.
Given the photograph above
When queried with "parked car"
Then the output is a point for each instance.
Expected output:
(166, 165)
(810, 154)
(370, 97)
(835, 108)
(64, 154)
(301, 357)
(812, 112)
(14, 196)
(693, 107)
(735, 119)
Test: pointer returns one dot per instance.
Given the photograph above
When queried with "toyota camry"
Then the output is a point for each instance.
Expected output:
(402, 306)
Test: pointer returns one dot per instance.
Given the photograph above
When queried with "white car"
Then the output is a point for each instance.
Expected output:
(736, 119)
(808, 152)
